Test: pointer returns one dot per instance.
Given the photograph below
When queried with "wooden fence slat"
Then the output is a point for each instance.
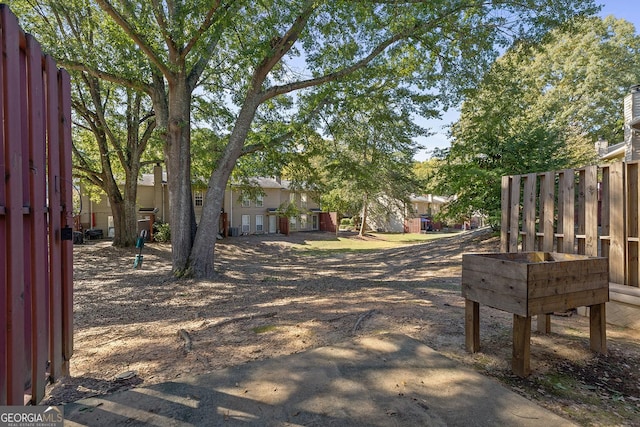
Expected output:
(15, 353)
(514, 226)
(605, 211)
(547, 207)
(39, 251)
(66, 193)
(591, 210)
(616, 223)
(55, 271)
(631, 180)
(505, 214)
(4, 366)
(529, 213)
(567, 184)
(27, 219)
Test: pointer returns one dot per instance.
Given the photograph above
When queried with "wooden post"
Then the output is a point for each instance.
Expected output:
(598, 328)
(472, 325)
(543, 322)
(521, 355)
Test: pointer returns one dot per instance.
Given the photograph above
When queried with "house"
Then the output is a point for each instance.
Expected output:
(414, 218)
(629, 149)
(241, 214)
(263, 214)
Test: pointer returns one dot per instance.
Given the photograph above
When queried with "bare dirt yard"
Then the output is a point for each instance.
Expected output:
(143, 326)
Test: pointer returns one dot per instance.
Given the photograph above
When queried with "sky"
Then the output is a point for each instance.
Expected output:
(626, 9)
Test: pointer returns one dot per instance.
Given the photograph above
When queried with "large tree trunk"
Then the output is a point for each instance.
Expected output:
(201, 260)
(124, 224)
(125, 215)
(178, 154)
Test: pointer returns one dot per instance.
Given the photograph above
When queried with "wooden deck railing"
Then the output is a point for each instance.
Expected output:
(36, 284)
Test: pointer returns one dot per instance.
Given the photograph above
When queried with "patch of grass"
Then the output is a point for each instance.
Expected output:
(370, 242)
(263, 329)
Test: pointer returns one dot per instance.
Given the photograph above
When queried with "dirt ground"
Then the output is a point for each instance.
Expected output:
(142, 326)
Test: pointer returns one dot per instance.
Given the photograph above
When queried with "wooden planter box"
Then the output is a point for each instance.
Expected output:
(530, 283)
(534, 283)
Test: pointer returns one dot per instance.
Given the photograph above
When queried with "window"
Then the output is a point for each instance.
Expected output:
(303, 222)
(246, 202)
(259, 201)
(293, 223)
(246, 224)
(303, 200)
(197, 198)
(292, 197)
(259, 223)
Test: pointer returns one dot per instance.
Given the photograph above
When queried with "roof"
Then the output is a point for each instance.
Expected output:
(146, 179)
(615, 151)
(429, 198)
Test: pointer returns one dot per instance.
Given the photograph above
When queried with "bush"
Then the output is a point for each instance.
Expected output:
(346, 222)
(161, 232)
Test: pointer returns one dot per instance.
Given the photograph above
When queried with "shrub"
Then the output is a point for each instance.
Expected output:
(161, 232)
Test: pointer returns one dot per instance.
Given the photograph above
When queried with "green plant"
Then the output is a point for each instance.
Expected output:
(161, 232)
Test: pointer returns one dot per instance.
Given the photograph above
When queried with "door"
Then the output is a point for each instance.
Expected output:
(273, 220)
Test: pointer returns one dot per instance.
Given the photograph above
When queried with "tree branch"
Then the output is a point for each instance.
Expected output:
(113, 78)
(162, 24)
(137, 38)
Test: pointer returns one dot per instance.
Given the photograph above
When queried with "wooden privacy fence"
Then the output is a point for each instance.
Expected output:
(593, 211)
(576, 211)
(36, 317)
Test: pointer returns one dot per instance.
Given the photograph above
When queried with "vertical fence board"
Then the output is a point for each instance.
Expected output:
(4, 306)
(55, 270)
(529, 213)
(39, 252)
(27, 219)
(591, 210)
(605, 212)
(514, 218)
(505, 214)
(568, 210)
(581, 212)
(631, 178)
(66, 219)
(547, 207)
(15, 353)
(616, 223)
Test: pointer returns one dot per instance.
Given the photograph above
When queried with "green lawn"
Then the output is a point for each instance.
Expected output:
(370, 242)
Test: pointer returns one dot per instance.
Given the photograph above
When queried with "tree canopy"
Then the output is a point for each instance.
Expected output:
(540, 107)
(271, 65)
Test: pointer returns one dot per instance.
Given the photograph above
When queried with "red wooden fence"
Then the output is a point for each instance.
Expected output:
(36, 284)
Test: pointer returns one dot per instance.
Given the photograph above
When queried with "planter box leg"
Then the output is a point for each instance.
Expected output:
(544, 323)
(598, 328)
(472, 325)
(520, 362)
